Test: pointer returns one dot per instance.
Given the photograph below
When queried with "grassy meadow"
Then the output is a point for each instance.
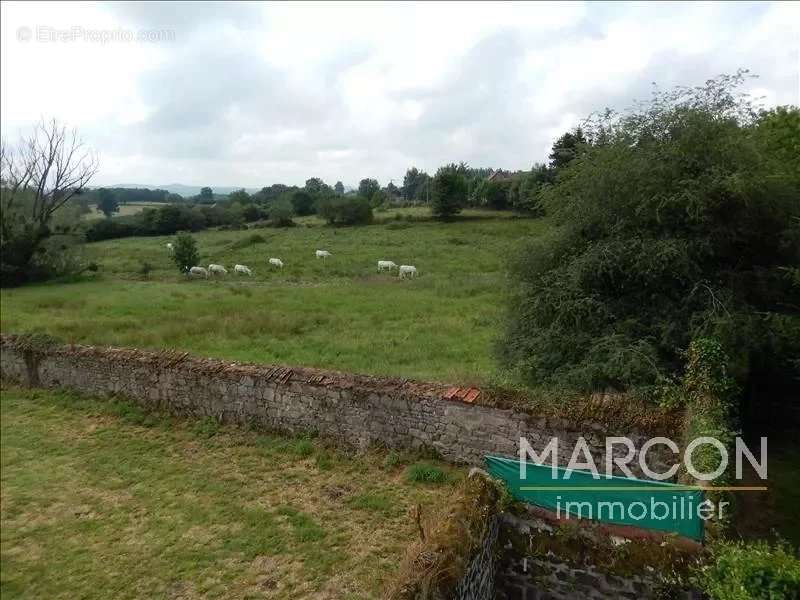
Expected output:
(125, 210)
(337, 313)
(101, 500)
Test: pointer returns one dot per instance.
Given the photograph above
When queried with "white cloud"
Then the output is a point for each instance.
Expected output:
(251, 94)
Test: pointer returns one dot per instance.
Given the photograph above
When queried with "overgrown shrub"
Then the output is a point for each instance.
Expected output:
(107, 229)
(449, 191)
(755, 571)
(679, 222)
(708, 392)
(172, 218)
(302, 203)
(492, 194)
(185, 252)
(281, 213)
(345, 210)
(145, 268)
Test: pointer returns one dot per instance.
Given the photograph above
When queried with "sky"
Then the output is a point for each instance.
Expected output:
(252, 94)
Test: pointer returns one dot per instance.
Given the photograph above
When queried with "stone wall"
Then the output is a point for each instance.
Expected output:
(356, 410)
(539, 562)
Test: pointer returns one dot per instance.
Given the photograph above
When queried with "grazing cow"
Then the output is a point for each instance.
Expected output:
(276, 262)
(198, 272)
(242, 269)
(323, 254)
(216, 269)
(386, 265)
(407, 270)
(170, 247)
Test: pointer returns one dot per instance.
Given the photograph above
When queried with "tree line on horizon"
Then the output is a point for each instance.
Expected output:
(451, 188)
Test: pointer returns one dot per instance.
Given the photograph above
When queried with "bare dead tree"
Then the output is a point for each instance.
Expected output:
(52, 164)
(37, 177)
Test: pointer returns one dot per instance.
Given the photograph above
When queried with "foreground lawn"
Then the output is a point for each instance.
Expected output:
(100, 500)
(338, 313)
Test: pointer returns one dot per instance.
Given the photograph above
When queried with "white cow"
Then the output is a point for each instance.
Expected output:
(386, 265)
(276, 262)
(242, 269)
(407, 270)
(323, 254)
(216, 269)
(198, 272)
(170, 247)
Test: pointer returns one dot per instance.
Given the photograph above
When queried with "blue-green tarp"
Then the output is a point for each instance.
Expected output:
(640, 503)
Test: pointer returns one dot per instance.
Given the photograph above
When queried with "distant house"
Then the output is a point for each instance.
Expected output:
(500, 175)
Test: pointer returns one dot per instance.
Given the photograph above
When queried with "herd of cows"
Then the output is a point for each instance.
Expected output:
(403, 271)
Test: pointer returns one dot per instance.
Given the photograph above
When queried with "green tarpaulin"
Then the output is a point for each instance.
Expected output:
(577, 494)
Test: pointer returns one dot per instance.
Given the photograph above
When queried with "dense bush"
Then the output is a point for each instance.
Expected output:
(172, 218)
(302, 203)
(751, 572)
(184, 252)
(525, 191)
(106, 229)
(281, 212)
(449, 191)
(492, 194)
(368, 187)
(126, 195)
(345, 210)
(684, 222)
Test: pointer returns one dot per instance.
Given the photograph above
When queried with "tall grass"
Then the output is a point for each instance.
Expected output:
(338, 313)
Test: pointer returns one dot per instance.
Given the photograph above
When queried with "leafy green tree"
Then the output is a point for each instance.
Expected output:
(271, 193)
(524, 193)
(684, 223)
(567, 147)
(414, 183)
(368, 187)
(317, 188)
(168, 219)
(107, 202)
(346, 210)
(379, 198)
(252, 212)
(241, 196)
(423, 189)
(206, 195)
(185, 252)
(448, 191)
(777, 129)
(281, 211)
(339, 188)
(303, 202)
(492, 194)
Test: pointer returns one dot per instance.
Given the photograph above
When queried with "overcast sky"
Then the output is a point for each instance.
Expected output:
(252, 94)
